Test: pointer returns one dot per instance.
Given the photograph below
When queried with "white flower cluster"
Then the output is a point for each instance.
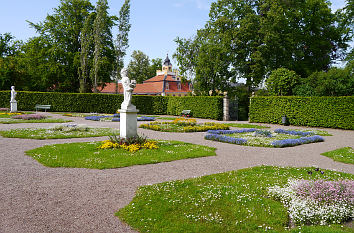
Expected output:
(307, 211)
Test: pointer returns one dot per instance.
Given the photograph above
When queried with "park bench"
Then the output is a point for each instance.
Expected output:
(41, 106)
(186, 113)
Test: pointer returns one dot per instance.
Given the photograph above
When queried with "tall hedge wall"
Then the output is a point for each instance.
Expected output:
(203, 107)
(330, 112)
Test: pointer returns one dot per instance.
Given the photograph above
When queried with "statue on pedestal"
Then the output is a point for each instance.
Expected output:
(128, 87)
(13, 94)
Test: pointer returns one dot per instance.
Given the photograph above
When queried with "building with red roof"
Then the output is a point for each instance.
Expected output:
(165, 83)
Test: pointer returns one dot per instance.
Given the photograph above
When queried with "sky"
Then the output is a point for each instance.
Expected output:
(155, 23)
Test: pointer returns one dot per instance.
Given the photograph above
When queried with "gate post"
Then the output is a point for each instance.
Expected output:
(226, 103)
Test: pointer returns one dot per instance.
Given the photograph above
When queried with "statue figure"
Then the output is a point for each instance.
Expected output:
(128, 87)
(13, 94)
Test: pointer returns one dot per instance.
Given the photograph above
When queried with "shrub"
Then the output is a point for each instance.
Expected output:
(331, 112)
(281, 82)
(201, 106)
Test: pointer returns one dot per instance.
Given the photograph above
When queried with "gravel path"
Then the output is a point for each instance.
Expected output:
(34, 198)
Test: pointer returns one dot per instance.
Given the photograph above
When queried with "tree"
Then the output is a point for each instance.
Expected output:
(281, 82)
(346, 19)
(121, 43)
(86, 53)
(252, 38)
(138, 67)
(63, 31)
(9, 71)
(335, 82)
(155, 64)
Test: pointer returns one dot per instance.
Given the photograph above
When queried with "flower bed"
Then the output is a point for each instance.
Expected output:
(316, 201)
(29, 117)
(183, 126)
(116, 118)
(266, 138)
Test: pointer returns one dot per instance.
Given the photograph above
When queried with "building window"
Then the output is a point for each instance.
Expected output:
(179, 86)
(167, 86)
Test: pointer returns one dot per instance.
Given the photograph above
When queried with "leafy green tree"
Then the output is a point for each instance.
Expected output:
(9, 71)
(255, 37)
(63, 30)
(335, 82)
(138, 67)
(281, 82)
(122, 40)
(155, 64)
(85, 53)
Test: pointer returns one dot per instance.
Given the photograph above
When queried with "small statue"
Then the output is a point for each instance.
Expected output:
(128, 87)
(13, 94)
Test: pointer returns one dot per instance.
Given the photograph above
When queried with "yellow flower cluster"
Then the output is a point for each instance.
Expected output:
(131, 148)
(184, 121)
(11, 113)
(205, 127)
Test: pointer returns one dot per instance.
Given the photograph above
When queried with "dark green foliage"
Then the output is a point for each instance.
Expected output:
(281, 82)
(201, 106)
(331, 112)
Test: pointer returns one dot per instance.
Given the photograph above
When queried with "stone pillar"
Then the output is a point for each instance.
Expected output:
(128, 123)
(13, 106)
(226, 105)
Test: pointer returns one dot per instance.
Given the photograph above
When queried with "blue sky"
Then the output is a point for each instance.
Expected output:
(155, 23)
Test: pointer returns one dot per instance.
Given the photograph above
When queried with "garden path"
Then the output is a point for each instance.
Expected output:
(35, 198)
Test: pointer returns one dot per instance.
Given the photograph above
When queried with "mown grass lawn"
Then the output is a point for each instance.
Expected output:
(344, 155)
(243, 125)
(17, 121)
(51, 133)
(234, 201)
(87, 155)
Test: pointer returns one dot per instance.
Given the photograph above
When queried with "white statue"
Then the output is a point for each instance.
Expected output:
(13, 94)
(128, 87)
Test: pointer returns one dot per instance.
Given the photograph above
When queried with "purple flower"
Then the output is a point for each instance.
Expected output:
(293, 132)
(298, 141)
(29, 117)
(231, 131)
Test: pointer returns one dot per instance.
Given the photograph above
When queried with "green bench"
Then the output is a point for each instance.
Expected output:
(186, 113)
(41, 106)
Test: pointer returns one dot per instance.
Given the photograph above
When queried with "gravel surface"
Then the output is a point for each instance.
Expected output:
(34, 198)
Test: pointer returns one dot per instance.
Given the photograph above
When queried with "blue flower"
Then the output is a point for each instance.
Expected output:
(298, 141)
(231, 131)
(222, 138)
(293, 132)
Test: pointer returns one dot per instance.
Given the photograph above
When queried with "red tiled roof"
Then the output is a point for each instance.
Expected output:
(152, 86)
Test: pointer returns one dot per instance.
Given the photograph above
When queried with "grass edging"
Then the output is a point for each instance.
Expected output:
(87, 155)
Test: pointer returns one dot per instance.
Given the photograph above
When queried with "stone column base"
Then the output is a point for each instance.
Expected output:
(13, 106)
(128, 123)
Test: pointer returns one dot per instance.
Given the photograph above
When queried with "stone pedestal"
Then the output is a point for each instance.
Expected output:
(128, 123)
(226, 103)
(13, 106)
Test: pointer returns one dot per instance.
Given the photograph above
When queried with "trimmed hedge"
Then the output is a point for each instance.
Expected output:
(203, 107)
(330, 112)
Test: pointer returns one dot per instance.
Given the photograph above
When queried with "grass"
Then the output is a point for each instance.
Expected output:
(17, 121)
(234, 201)
(167, 118)
(52, 133)
(86, 155)
(240, 125)
(344, 155)
(316, 132)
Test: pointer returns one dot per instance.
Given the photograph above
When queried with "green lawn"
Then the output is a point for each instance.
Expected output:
(173, 127)
(86, 155)
(344, 155)
(53, 133)
(234, 201)
(17, 121)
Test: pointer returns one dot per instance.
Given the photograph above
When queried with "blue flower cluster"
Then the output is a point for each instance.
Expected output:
(298, 141)
(222, 138)
(263, 133)
(293, 132)
(95, 118)
(231, 131)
